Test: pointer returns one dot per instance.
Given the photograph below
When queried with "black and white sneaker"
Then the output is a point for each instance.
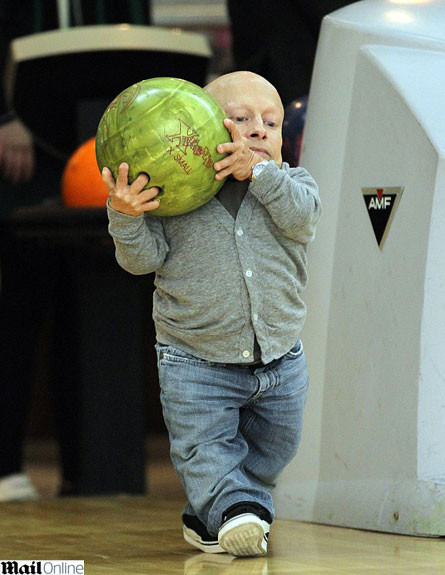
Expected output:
(196, 534)
(245, 530)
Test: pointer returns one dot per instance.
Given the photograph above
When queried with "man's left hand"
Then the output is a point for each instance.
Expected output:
(240, 159)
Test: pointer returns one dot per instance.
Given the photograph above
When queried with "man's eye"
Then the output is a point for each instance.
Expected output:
(240, 118)
(270, 124)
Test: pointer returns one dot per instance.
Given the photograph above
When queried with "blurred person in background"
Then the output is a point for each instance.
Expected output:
(278, 40)
(30, 174)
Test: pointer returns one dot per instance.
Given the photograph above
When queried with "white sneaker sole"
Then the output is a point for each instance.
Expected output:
(17, 487)
(194, 539)
(244, 536)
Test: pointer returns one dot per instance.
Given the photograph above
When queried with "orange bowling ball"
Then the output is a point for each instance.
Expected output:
(82, 184)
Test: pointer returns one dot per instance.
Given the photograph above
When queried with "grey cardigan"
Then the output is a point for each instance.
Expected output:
(219, 281)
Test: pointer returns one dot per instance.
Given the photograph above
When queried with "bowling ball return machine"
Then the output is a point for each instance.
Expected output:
(60, 83)
(373, 449)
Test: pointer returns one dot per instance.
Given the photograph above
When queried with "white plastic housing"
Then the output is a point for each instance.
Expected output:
(373, 448)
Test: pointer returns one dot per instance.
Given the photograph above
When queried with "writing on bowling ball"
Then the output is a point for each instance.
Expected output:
(125, 99)
(180, 160)
(122, 102)
(186, 138)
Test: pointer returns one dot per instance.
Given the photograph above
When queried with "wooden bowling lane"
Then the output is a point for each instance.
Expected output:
(142, 535)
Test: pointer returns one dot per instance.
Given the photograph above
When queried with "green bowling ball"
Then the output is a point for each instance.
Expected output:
(168, 128)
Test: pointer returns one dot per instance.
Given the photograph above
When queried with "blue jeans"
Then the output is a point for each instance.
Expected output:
(232, 428)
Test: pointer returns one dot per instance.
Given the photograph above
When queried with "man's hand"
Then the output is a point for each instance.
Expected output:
(241, 158)
(16, 152)
(132, 199)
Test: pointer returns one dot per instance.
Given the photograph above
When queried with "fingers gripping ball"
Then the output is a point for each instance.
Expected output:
(168, 128)
(82, 184)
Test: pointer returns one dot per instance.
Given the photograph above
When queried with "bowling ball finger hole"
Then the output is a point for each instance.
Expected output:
(145, 174)
(160, 192)
(147, 186)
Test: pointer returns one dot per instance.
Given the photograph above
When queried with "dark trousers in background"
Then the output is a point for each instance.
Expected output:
(29, 289)
(278, 40)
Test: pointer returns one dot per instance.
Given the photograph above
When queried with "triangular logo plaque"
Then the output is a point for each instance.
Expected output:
(381, 204)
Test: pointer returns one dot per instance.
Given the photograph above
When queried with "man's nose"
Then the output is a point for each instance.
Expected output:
(257, 129)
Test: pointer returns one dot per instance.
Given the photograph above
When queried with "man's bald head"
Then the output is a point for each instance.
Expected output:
(225, 87)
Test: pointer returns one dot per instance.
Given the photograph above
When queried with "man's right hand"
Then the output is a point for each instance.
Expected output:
(16, 152)
(130, 199)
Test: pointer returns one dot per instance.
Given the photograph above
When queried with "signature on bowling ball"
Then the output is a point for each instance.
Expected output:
(125, 99)
(122, 102)
(188, 139)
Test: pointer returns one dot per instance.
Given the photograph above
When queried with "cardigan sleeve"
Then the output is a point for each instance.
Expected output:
(141, 247)
(290, 195)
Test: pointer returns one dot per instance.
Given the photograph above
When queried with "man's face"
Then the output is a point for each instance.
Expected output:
(255, 107)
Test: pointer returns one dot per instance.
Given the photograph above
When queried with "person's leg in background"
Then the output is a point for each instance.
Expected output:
(29, 273)
(26, 296)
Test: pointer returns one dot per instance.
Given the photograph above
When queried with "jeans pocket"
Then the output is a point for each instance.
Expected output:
(170, 354)
(296, 351)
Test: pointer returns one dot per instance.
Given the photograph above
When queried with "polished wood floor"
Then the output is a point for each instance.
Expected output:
(142, 535)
